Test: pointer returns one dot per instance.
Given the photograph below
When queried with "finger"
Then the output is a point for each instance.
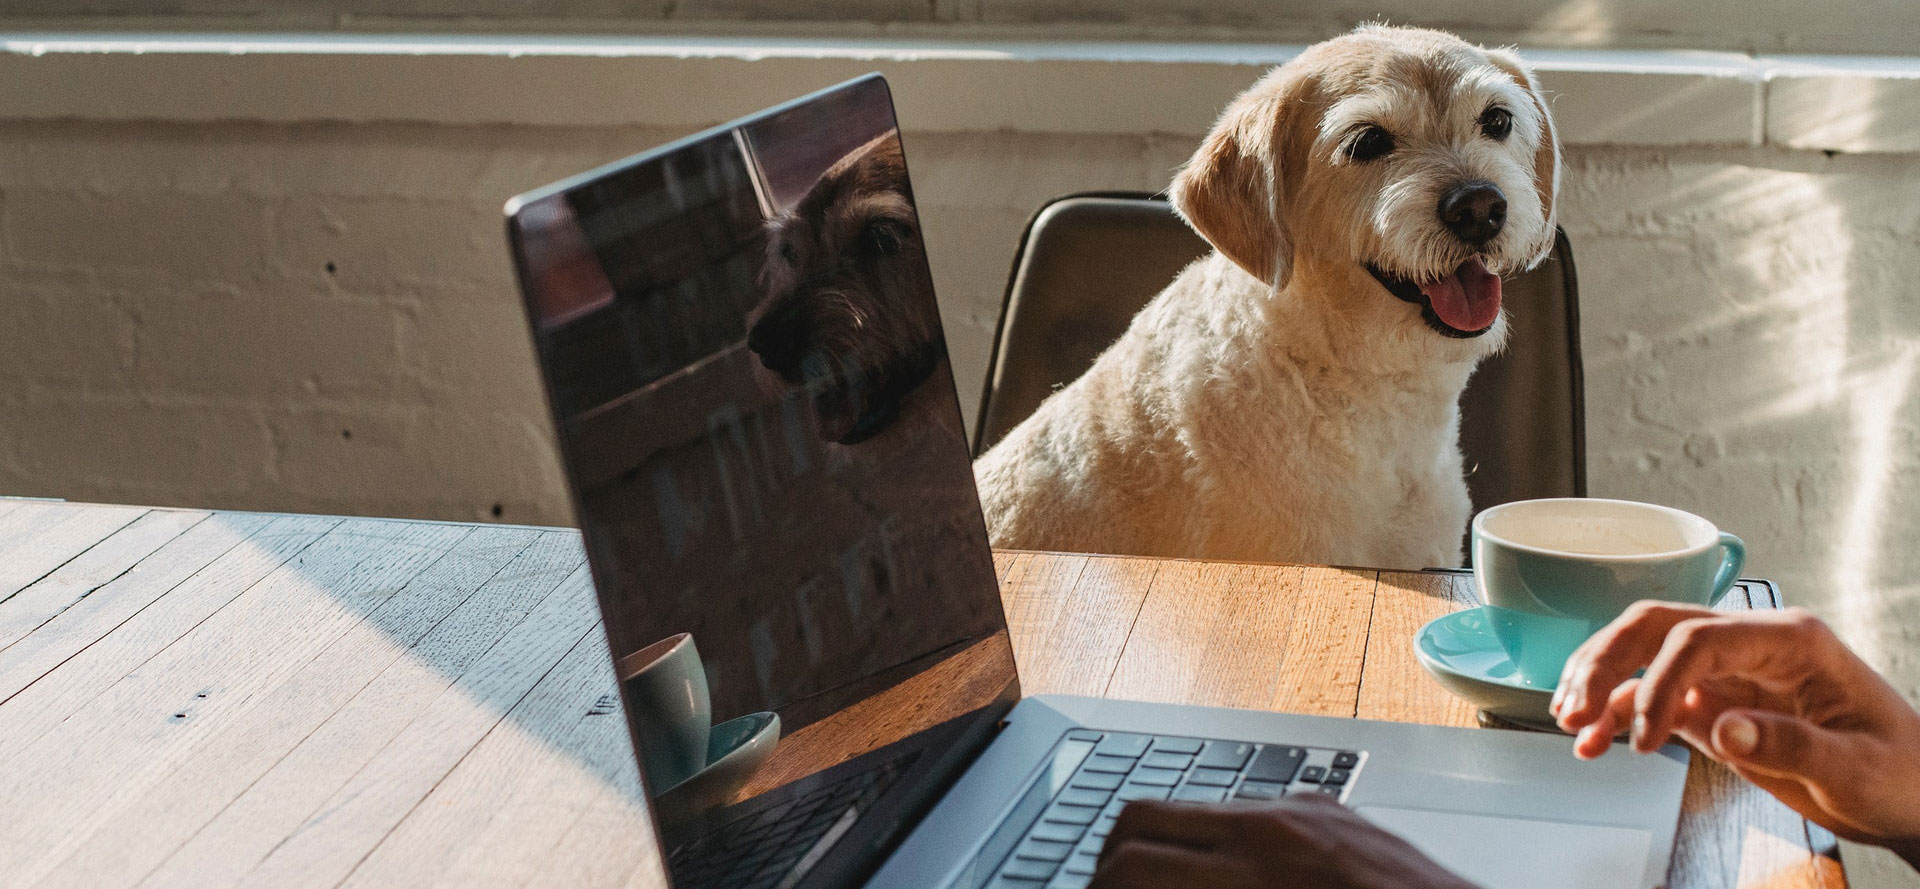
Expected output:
(1700, 650)
(1696, 722)
(1145, 864)
(1596, 737)
(1779, 745)
(1699, 708)
(1186, 824)
(1612, 655)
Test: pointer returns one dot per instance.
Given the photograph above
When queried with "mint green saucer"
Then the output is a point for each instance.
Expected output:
(736, 749)
(1463, 655)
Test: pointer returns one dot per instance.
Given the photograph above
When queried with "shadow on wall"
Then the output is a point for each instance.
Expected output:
(1788, 387)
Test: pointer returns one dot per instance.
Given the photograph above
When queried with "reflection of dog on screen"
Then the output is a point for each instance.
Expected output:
(849, 315)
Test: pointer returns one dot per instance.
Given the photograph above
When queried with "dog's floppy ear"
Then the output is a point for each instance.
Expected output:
(1227, 191)
(1546, 159)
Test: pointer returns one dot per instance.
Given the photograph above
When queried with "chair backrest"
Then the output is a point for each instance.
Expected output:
(1088, 263)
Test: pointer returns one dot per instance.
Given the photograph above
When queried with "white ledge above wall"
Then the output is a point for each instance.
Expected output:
(1633, 97)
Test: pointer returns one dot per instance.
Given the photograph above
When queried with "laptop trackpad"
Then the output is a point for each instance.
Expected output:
(1514, 853)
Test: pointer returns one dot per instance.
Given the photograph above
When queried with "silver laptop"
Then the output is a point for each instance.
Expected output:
(747, 372)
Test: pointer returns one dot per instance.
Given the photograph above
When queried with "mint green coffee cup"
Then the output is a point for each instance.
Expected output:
(1553, 572)
(669, 707)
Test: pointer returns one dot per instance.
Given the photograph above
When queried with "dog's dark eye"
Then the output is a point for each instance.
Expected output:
(1496, 123)
(883, 236)
(1373, 142)
(790, 256)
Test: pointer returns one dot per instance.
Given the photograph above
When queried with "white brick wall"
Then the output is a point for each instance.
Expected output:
(309, 318)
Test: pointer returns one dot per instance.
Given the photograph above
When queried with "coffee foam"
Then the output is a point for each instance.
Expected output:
(1601, 538)
(1594, 528)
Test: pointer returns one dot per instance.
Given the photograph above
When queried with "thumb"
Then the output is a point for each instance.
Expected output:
(1776, 743)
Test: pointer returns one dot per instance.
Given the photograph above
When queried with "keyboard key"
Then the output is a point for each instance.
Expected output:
(1212, 777)
(1188, 746)
(1131, 792)
(1276, 763)
(1085, 796)
(1166, 760)
(1083, 734)
(1007, 881)
(1161, 777)
(1101, 828)
(1225, 754)
(1115, 764)
(1089, 846)
(1064, 880)
(1260, 790)
(1098, 780)
(1338, 776)
(1331, 789)
(1346, 760)
(1044, 850)
(1081, 865)
(1313, 774)
(1029, 869)
(1057, 832)
(1113, 808)
(1192, 793)
(1065, 814)
(1122, 744)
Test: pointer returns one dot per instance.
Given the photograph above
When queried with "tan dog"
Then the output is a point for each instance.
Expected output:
(1293, 396)
(849, 313)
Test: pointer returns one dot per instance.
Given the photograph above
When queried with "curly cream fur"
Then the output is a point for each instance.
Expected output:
(1275, 403)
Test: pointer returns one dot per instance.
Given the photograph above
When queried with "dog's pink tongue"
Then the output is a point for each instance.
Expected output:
(1468, 299)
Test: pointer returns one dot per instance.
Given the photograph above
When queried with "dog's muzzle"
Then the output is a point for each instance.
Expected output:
(1464, 303)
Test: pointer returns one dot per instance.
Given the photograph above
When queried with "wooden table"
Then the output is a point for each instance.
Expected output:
(218, 699)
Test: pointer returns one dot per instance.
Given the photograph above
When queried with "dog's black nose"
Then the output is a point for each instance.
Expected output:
(1474, 211)
(778, 339)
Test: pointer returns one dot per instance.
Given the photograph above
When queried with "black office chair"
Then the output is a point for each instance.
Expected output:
(1088, 263)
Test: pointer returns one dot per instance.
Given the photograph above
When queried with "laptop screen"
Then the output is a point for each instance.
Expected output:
(746, 367)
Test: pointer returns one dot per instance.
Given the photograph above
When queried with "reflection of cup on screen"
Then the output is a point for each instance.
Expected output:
(666, 686)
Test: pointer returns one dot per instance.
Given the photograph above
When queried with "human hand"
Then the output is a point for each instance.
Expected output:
(1773, 694)
(1304, 840)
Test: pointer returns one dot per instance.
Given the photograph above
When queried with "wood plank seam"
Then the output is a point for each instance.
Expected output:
(85, 639)
(1366, 644)
(504, 713)
(515, 767)
(160, 598)
(166, 870)
(63, 563)
(97, 586)
(1106, 688)
(209, 615)
(353, 817)
(349, 576)
(505, 564)
(425, 573)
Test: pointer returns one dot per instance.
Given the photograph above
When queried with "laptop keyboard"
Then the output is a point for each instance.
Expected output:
(776, 846)
(1060, 849)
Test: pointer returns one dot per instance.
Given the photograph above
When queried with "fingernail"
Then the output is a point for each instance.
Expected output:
(1559, 694)
(1582, 741)
(1639, 731)
(1738, 735)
